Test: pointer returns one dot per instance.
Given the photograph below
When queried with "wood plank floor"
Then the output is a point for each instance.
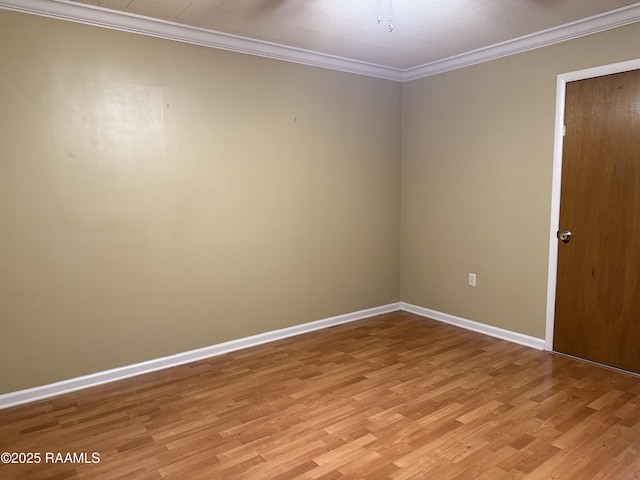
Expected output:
(391, 397)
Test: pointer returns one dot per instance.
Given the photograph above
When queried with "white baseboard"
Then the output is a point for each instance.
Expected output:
(526, 340)
(66, 386)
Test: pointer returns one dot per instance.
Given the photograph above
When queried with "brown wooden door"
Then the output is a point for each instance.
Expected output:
(597, 314)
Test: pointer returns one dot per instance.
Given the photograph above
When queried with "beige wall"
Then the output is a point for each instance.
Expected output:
(157, 197)
(476, 181)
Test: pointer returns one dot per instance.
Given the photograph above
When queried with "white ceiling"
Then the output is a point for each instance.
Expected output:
(428, 37)
(424, 30)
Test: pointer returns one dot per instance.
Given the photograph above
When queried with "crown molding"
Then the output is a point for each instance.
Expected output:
(127, 22)
(587, 26)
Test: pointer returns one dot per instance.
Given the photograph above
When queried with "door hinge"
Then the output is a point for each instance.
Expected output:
(564, 130)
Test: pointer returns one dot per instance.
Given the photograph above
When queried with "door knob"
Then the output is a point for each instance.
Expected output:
(564, 236)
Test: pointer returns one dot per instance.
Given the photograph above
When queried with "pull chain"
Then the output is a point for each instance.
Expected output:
(379, 18)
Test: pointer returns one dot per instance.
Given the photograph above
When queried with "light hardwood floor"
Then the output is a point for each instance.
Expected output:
(392, 397)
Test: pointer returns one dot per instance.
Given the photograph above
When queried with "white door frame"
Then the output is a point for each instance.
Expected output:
(561, 83)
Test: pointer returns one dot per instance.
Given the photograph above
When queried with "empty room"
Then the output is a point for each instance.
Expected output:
(259, 239)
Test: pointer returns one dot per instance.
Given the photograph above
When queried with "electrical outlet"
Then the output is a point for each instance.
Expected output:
(472, 279)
